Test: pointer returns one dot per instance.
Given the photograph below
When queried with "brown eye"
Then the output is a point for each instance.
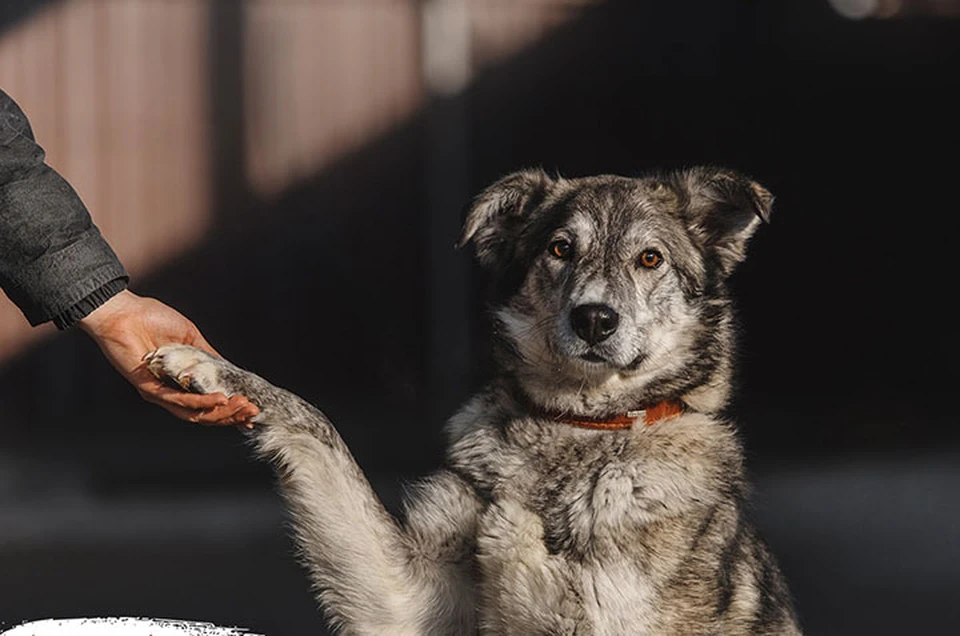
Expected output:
(561, 249)
(650, 259)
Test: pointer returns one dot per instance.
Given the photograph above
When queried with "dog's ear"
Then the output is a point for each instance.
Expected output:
(496, 215)
(723, 209)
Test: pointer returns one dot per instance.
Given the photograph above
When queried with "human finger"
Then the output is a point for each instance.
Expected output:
(188, 415)
(238, 411)
(218, 416)
(159, 393)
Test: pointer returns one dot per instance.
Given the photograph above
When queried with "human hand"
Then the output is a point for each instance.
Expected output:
(127, 327)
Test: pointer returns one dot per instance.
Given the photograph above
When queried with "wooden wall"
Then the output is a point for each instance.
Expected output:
(115, 92)
(118, 92)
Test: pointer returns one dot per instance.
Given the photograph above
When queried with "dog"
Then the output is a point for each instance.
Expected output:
(593, 486)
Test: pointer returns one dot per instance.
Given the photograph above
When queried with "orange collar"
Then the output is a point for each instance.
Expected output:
(666, 410)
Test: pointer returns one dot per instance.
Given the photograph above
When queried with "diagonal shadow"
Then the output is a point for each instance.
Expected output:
(14, 11)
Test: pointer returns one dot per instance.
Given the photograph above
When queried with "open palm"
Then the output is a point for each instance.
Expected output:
(127, 327)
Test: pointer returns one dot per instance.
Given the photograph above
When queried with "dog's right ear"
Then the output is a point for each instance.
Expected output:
(723, 210)
(496, 215)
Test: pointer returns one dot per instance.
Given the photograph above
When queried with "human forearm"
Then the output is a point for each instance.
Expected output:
(52, 256)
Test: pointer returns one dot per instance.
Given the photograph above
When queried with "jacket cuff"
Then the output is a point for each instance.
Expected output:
(55, 283)
(82, 309)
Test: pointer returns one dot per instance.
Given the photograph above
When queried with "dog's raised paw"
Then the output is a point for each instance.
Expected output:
(192, 369)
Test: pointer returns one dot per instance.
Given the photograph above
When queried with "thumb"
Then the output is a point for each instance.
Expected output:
(197, 340)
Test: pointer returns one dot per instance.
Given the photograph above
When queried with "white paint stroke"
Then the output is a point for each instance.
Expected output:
(122, 626)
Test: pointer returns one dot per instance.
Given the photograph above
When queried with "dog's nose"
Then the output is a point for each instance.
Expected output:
(594, 323)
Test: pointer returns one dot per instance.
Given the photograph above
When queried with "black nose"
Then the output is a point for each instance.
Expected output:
(594, 323)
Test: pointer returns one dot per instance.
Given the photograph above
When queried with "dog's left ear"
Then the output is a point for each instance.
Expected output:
(723, 209)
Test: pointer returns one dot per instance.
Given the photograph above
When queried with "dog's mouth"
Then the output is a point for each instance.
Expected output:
(595, 358)
(635, 363)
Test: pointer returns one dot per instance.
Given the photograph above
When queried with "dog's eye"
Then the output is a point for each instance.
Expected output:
(562, 249)
(650, 259)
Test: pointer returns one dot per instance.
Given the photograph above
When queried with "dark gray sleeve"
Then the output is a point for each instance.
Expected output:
(54, 264)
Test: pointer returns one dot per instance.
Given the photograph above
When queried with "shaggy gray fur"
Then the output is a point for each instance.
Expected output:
(536, 526)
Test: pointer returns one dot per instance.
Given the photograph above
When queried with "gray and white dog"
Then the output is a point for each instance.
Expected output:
(592, 487)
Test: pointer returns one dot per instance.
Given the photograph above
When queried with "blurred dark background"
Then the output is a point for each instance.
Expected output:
(291, 174)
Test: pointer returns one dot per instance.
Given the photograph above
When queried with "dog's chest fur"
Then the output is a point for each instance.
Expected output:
(584, 531)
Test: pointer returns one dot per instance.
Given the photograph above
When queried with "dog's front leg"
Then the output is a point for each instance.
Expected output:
(373, 576)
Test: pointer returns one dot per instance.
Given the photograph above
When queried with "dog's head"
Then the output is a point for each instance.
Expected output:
(610, 291)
